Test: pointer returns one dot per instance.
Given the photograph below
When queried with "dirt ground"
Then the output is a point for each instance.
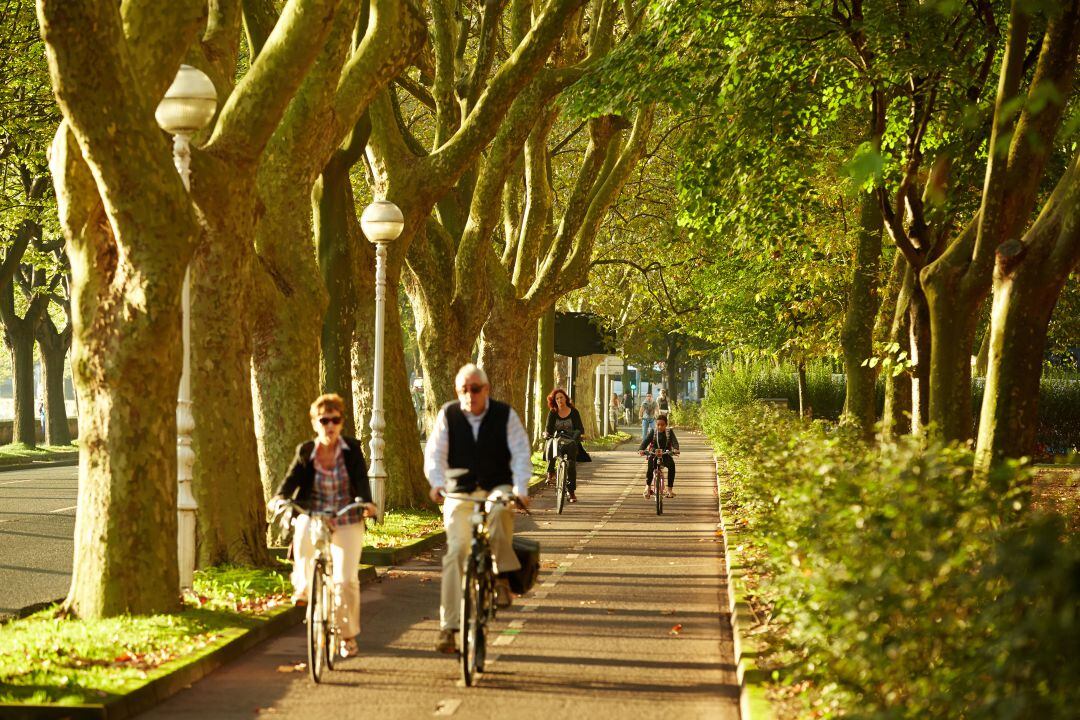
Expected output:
(1058, 490)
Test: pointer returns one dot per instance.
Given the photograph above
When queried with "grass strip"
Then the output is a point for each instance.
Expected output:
(45, 658)
(19, 453)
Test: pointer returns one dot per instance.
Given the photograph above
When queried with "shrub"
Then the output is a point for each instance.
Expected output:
(741, 383)
(907, 585)
(685, 415)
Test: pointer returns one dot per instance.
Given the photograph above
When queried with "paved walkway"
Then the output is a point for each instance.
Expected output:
(37, 529)
(628, 620)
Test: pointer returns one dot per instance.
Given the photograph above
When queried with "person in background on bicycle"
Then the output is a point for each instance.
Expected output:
(648, 415)
(564, 417)
(486, 438)
(327, 474)
(662, 438)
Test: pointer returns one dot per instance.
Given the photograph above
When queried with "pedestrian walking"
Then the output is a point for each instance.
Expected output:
(648, 415)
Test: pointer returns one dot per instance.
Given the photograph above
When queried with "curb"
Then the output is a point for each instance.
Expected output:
(63, 462)
(160, 689)
(753, 702)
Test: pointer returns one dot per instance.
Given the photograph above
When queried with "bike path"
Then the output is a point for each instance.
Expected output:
(628, 619)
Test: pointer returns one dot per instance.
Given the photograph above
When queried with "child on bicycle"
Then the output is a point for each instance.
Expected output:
(327, 474)
(662, 438)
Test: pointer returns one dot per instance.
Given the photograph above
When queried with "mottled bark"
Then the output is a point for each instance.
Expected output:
(506, 347)
(545, 369)
(857, 335)
(896, 416)
(585, 393)
(1028, 278)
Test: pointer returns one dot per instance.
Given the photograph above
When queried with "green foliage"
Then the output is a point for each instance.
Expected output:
(607, 442)
(742, 383)
(45, 658)
(903, 585)
(685, 415)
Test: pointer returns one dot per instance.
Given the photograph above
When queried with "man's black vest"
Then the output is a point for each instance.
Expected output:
(487, 457)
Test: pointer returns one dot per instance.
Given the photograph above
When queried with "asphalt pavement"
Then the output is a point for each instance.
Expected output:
(37, 530)
(628, 619)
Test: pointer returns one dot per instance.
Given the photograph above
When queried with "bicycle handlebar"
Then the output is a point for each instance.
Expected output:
(357, 502)
(501, 498)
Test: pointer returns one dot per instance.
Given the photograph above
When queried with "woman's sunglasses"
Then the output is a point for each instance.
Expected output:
(336, 420)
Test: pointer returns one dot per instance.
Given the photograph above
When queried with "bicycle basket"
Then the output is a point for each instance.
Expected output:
(528, 553)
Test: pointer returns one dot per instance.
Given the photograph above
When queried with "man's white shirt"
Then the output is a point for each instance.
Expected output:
(437, 450)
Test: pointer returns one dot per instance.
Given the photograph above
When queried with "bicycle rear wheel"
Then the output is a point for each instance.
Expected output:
(472, 622)
(316, 623)
(560, 485)
(329, 626)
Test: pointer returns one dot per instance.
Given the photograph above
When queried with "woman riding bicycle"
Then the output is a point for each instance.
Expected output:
(564, 418)
(327, 474)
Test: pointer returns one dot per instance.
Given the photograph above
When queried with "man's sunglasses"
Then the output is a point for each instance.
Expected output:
(336, 420)
(475, 388)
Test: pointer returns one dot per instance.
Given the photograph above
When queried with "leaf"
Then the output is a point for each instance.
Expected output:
(676, 629)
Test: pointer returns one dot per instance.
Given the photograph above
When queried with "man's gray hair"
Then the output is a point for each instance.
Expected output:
(467, 371)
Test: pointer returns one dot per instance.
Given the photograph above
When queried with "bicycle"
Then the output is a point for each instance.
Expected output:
(322, 634)
(562, 467)
(659, 477)
(478, 585)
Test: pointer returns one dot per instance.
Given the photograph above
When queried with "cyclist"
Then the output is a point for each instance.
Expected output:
(662, 438)
(647, 411)
(326, 475)
(486, 438)
(564, 417)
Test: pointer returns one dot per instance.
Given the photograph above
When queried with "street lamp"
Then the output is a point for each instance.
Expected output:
(188, 107)
(381, 222)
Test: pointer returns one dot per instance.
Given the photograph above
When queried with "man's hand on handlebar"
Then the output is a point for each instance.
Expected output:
(370, 510)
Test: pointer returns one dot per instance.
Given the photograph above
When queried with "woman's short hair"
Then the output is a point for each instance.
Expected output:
(554, 393)
(329, 401)
(467, 371)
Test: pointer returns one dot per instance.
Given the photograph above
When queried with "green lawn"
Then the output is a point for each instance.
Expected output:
(17, 453)
(400, 527)
(47, 659)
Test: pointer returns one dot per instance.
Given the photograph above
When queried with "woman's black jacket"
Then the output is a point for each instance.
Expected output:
(300, 479)
(575, 418)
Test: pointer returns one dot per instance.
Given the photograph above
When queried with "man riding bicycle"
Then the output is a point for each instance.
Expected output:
(485, 438)
(662, 438)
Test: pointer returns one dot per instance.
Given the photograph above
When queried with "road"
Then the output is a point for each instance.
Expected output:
(37, 530)
(628, 620)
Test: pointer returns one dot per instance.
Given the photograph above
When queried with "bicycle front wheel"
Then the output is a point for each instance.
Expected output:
(316, 623)
(472, 622)
(560, 486)
(658, 487)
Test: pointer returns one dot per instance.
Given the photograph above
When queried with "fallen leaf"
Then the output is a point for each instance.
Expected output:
(676, 629)
(286, 668)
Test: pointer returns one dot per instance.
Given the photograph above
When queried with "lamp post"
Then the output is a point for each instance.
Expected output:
(188, 107)
(381, 222)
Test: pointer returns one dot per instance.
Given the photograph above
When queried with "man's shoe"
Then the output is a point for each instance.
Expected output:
(503, 596)
(550, 478)
(573, 497)
(447, 643)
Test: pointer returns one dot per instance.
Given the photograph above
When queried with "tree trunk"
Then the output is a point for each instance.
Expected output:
(671, 367)
(896, 417)
(953, 323)
(857, 335)
(801, 374)
(545, 372)
(982, 360)
(920, 342)
(289, 304)
(505, 344)
(337, 232)
(226, 482)
(584, 393)
(21, 342)
(54, 349)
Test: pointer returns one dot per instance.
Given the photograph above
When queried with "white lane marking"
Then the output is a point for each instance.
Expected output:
(572, 556)
(64, 509)
(504, 640)
(516, 624)
(446, 707)
(540, 594)
(16, 482)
